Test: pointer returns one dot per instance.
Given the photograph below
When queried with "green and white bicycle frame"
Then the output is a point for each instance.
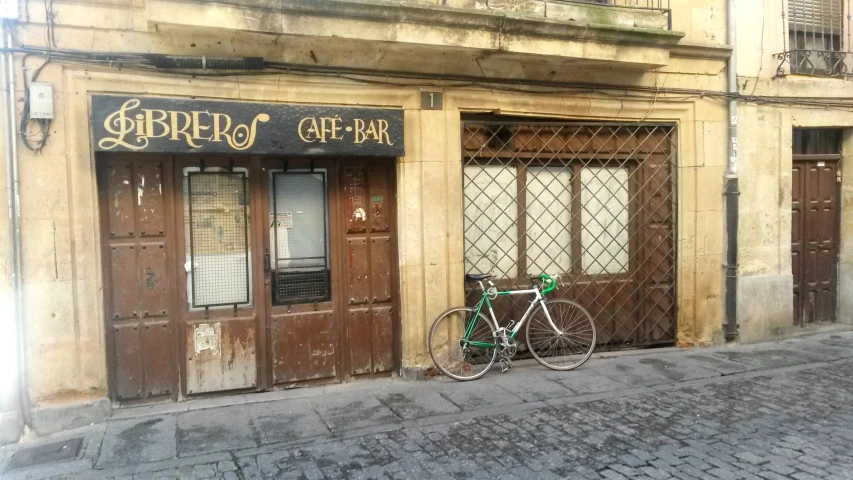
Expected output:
(512, 330)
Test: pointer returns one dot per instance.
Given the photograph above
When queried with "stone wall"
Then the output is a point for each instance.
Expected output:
(62, 249)
(765, 303)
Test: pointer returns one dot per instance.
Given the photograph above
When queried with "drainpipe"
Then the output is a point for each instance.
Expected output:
(12, 198)
(731, 183)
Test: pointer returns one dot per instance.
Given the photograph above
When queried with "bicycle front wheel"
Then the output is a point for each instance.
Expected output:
(455, 357)
(567, 347)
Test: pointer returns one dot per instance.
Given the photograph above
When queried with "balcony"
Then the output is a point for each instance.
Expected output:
(817, 41)
(629, 34)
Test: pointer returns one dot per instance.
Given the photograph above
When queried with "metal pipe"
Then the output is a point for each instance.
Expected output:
(731, 183)
(13, 199)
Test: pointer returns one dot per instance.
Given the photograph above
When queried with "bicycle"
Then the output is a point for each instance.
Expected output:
(464, 343)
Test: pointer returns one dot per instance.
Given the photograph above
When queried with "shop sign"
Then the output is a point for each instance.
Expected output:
(167, 125)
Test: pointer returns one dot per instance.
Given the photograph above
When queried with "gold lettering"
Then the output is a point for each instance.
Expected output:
(371, 131)
(218, 131)
(244, 136)
(383, 132)
(120, 124)
(335, 128)
(305, 135)
(198, 127)
(140, 125)
(150, 121)
(177, 130)
(359, 131)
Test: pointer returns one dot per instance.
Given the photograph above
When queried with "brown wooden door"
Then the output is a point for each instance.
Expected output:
(220, 270)
(814, 238)
(137, 280)
(368, 214)
(329, 269)
(300, 270)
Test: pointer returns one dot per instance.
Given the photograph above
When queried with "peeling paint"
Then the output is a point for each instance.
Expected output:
(139, 190)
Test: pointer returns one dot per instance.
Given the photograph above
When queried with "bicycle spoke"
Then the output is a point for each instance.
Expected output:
(570, 344)
(454, 356)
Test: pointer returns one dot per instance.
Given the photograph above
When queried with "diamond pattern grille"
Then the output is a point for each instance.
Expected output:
(591, 204)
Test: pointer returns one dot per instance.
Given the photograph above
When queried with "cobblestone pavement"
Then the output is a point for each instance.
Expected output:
(788, 413)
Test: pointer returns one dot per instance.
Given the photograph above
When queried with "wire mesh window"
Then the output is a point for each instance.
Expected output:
(216, 224)
(591, 204)
(299, 236)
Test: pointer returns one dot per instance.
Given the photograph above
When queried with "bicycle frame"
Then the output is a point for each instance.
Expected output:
(486, 300)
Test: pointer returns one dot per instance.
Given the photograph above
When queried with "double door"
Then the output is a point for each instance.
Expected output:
(227, 274)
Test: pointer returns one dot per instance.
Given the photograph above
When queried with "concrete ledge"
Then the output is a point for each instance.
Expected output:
(11, 427)
(53, 419)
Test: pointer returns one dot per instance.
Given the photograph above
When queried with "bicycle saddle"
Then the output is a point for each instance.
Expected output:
(476, 277)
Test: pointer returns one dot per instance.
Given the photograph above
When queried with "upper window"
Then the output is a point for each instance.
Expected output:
(815, 36)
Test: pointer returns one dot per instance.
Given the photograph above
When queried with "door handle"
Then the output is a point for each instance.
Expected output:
(267, 266)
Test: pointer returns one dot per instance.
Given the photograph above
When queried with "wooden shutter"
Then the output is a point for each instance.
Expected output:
(818, 16)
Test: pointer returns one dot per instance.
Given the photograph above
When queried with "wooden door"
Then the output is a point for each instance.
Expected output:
(368, 223)
(814, 237)
(300, 270)
(137, 250)
(330, 269)
(220, 271)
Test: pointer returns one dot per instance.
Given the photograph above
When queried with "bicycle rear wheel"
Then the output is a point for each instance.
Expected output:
(454, 357)
(571, 344)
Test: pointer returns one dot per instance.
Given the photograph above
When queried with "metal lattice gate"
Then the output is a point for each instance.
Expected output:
(591, 204)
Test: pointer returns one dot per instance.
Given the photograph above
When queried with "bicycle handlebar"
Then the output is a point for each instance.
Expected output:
(549, 284)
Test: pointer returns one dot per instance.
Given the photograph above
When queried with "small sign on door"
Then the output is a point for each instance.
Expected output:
(283, 219)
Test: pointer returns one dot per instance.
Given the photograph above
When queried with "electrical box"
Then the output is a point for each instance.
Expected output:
(41, 101)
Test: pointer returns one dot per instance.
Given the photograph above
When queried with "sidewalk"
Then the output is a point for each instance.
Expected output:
(208, 437)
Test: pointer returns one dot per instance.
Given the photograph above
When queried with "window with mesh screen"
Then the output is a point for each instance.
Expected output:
(299, 236)
(549, 220)
(604, 216)
(491, 230)
(216, 225)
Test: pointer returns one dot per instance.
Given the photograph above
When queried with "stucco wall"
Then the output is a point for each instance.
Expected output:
(765, 303)
(63, 286)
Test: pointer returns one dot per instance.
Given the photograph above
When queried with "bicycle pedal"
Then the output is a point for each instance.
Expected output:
(505, 365)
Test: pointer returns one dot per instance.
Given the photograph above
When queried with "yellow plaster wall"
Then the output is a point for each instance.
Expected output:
(765, 304)
(62, 262)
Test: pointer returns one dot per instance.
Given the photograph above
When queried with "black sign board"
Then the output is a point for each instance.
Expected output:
(168, 125)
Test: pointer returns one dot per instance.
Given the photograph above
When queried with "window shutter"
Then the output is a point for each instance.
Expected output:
(817, 16)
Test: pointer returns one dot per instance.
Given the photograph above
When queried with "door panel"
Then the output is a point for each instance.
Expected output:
(305, 327)
(369, 216)
(137, 280)
(218, 301)
(814, 242)
(222, 356)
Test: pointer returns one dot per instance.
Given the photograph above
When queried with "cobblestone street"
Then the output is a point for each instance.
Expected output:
(772, 411)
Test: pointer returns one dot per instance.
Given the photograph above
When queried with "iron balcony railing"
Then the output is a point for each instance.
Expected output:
(816, 37)
(653, 6)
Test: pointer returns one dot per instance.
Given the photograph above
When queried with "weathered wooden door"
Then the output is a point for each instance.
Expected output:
(299, 271)
(137, 279)
(814, 237)
(368, 221)
(219, 264)
(329, 269)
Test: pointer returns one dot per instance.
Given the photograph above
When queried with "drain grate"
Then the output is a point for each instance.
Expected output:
(43, 454)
